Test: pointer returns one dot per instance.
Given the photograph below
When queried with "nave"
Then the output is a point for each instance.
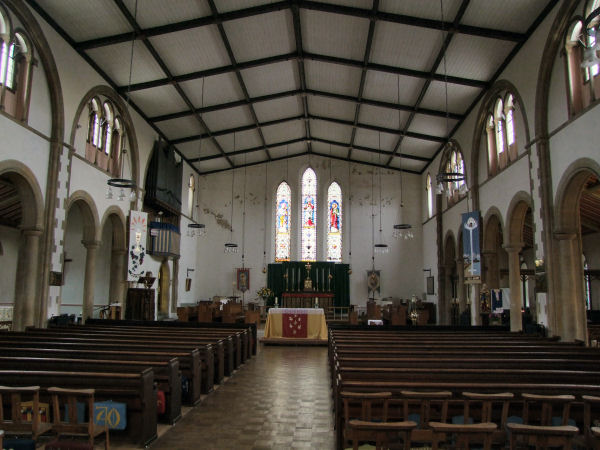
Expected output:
(281, 398)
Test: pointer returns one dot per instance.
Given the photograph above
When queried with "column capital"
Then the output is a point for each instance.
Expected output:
(513, 247)
(118, 251)
(92, 244)
(31, 231)
(564, 235)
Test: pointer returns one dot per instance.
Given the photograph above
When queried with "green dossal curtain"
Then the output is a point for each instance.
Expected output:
(290, 276)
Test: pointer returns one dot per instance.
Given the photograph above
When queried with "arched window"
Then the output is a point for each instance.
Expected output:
(455, 190)
(94, 123)
(500, 141)
(591, 32)
(309, 215)
(191, 191)
(10, 66)
(491, 145)
(334, 223)
(107, 128)
(429, 190)
(15, 73)
(282, 222)
(115, 150)
(587, 285)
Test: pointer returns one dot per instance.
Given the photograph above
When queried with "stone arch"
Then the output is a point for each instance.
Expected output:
(451, 280)
(118, 102)
(118, 253)
(514, 239)
(517, 210)
(570, 305)
(46, 58)
(482, 114)
(26, 306)
(89, 212)
(492, 249)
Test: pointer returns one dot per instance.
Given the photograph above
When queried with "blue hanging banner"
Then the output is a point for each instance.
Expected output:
(471, 224)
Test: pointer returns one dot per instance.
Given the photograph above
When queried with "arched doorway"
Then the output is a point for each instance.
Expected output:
(80, 256)
(449, 308)
(521, 252)
(20, 231)
(578, 234)
(495, 262)
(110, 267)
(164, 281)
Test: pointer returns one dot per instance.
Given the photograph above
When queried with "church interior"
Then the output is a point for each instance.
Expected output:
(268, 219)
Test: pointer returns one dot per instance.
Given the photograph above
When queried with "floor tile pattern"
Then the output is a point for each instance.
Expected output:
(279, 399)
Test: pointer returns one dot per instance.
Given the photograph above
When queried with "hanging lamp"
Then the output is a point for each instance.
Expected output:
(231, 246)
(195, 228)
(380, 247)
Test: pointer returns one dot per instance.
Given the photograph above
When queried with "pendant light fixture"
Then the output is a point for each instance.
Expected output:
(401, 230)
(123, 183)
(231, 246)
(380, 247)
(196, 228)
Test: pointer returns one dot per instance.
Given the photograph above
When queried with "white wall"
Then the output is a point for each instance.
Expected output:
(9, 239)
(402, 269)
(74, 273)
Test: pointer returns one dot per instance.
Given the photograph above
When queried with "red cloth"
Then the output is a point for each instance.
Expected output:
(294, 325)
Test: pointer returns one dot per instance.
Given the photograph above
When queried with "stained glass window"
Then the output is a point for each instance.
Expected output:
(334, 223)
(309, 215)
(282, 218)
(499, 127)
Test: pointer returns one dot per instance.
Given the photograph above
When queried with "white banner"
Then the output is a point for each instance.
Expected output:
(138, 230)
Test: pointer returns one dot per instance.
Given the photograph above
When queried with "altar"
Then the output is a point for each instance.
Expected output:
(295, 325)
(307, 299)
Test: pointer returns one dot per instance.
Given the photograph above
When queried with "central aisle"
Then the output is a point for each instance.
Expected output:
(281, 398)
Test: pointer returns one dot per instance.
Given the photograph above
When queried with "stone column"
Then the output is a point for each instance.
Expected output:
(514, 282)
(90, 278)
(492, 275)
(460, 289)
(27, 279)
(174, 286)
(475, 304)
(570, 304)
(117, 275)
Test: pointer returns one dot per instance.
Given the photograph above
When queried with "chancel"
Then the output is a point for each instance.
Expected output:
(268, 224)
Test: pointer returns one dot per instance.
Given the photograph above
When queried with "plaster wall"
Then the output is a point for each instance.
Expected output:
(401, 267)
(9, 239)
(74, 272)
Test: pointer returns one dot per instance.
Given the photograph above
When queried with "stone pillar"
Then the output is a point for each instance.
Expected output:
(90, 278)
(492, 274)
(460, 288)
(117, 276)
(570, 304)
(514, 282)
(475, 304)
(27, 279)
(174, 286)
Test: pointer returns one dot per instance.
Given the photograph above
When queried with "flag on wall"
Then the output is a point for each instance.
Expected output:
(136, 252)
(471, 225)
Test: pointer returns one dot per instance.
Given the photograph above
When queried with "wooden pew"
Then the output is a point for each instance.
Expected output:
(137, 390)
(197, 364)
(223, 356)
(166, 374)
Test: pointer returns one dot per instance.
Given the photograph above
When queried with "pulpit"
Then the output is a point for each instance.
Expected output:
(140, 304)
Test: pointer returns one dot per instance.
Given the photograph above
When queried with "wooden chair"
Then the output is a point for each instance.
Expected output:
(366, 407)
(422, 408)
(1, 438)
(384, 434)
(22, 401)
(484, 404)
(66, 420)
(545, 430)
(458, 436)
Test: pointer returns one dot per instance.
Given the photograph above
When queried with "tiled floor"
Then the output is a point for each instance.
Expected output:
(279, 399)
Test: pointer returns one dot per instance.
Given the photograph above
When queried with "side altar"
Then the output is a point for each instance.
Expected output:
(301, 284)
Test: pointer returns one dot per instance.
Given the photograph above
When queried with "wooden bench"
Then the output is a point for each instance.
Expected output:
(166, 374)
(136, 390)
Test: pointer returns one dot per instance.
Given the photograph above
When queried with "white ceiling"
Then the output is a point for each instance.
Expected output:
(365, 80)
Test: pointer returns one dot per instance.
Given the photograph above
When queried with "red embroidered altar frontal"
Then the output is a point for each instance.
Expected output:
(295, 325)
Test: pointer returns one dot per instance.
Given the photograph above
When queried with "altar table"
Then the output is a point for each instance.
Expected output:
(296, 323)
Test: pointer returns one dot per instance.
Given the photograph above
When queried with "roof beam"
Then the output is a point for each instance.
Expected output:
(316, 6)
(301, 69)
(248, 150)
(238, 74)
(363, 75)
(167, 72)
(279, 95)
(310, 56)
(224, 132)
(441, 57)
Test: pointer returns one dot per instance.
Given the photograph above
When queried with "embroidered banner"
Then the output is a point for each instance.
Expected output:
(138, 229)
(295, 325)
